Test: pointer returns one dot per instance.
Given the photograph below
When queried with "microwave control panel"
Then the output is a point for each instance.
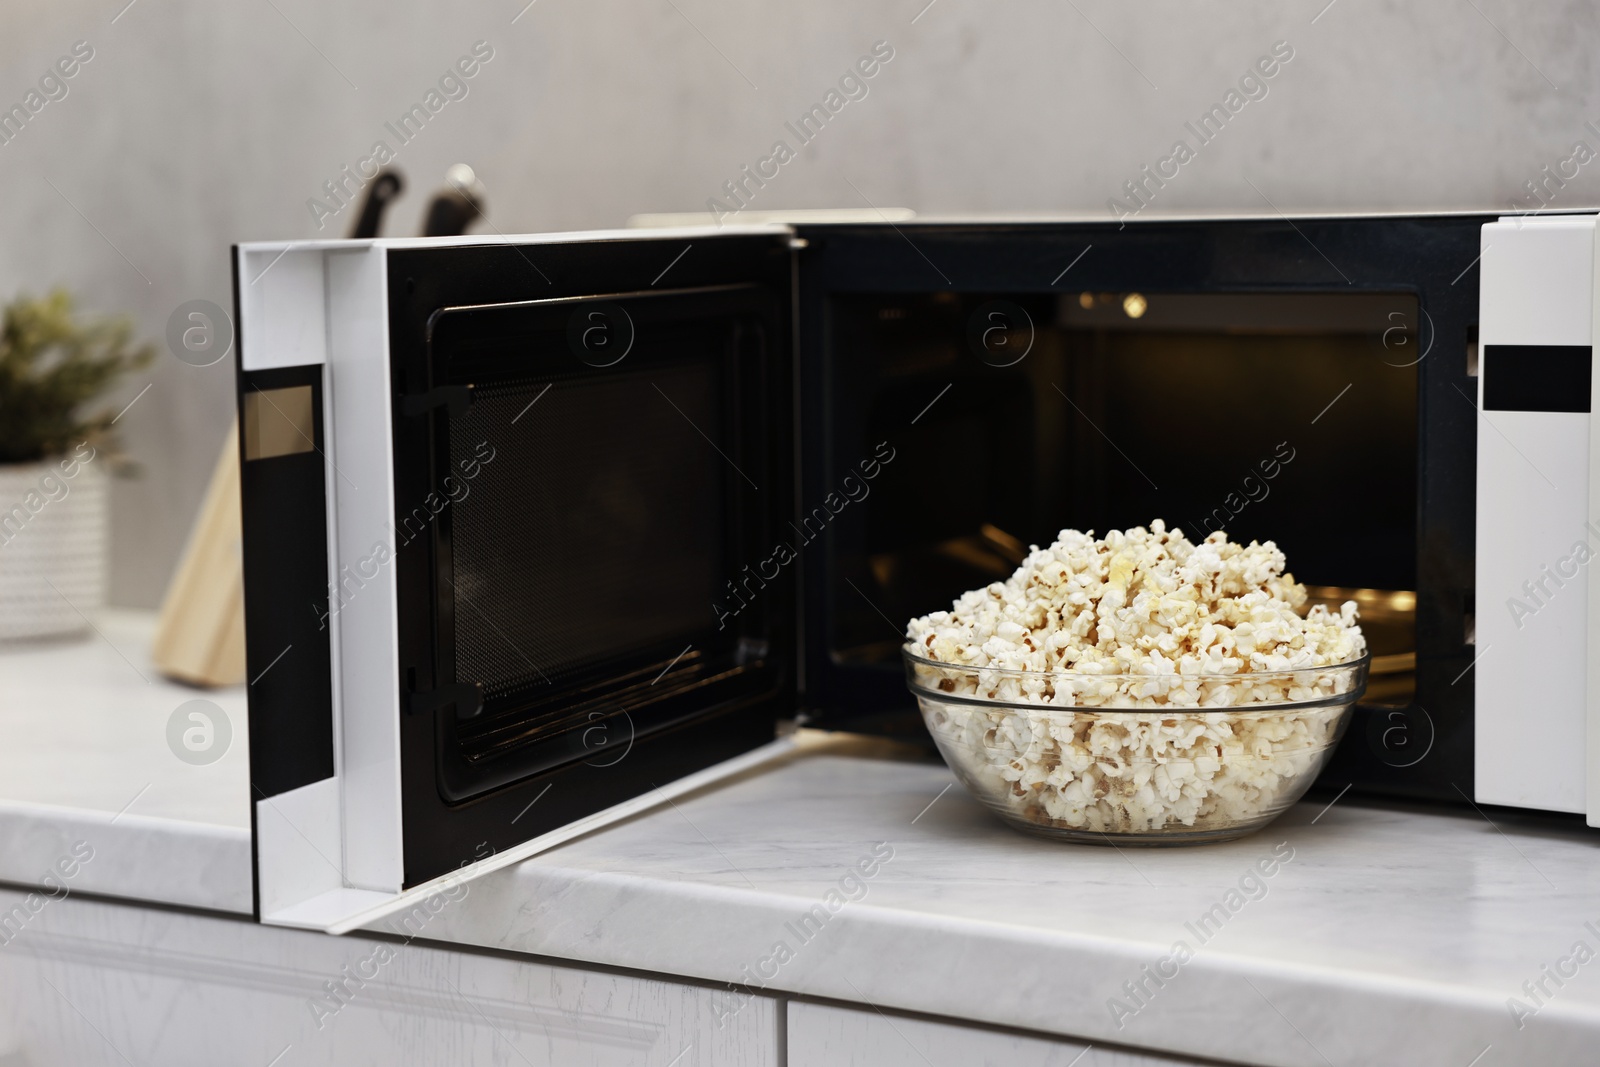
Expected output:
(1538, 537)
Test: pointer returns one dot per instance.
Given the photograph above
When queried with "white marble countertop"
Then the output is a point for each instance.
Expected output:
(1388, 935)
(85, 757)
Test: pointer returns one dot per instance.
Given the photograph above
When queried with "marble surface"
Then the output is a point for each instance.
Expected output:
(86, 757)
(1389, 934)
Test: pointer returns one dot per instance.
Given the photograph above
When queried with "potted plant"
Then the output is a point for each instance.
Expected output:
(54, 506)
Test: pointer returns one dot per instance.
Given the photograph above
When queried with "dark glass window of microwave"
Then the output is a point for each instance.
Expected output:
(1290, 417)
(586, 555)
(596, 532)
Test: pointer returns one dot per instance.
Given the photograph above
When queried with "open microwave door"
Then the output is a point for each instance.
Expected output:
(546, 463)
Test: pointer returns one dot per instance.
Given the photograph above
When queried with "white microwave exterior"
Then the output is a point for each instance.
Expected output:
(1536, 287)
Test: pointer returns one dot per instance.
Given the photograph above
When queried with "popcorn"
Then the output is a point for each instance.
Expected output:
(1163, 631)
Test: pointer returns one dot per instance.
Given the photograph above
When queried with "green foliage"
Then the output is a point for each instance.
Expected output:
(50, 367)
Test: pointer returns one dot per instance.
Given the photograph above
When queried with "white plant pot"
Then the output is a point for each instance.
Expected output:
(53, 546)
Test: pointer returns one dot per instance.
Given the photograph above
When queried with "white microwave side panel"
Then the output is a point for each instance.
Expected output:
(1531, 683)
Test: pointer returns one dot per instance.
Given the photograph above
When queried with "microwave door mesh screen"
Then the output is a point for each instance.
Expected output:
(594, 533)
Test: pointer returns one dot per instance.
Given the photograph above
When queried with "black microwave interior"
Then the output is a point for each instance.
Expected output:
(1290, 416)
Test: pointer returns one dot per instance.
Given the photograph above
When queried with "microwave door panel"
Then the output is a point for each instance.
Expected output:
(1535, 536)
(616, 451)
(364, 784)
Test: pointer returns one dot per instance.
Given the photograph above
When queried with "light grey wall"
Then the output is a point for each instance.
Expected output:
(199, 123)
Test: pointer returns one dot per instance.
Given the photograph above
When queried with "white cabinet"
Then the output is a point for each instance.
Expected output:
(87, 983)
(822, 1035)
(90, 983)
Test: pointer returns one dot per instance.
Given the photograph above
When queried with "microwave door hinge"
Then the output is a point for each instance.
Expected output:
(467, 697)
(457, 398)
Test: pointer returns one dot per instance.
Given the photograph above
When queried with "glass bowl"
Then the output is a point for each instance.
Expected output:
(1137, 759)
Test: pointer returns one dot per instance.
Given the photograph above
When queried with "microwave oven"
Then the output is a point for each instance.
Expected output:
(540, 531)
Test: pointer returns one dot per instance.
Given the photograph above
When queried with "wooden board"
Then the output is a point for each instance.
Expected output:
(200, 633)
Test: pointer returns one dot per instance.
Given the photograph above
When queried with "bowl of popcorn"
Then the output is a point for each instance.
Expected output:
(1140, 688)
